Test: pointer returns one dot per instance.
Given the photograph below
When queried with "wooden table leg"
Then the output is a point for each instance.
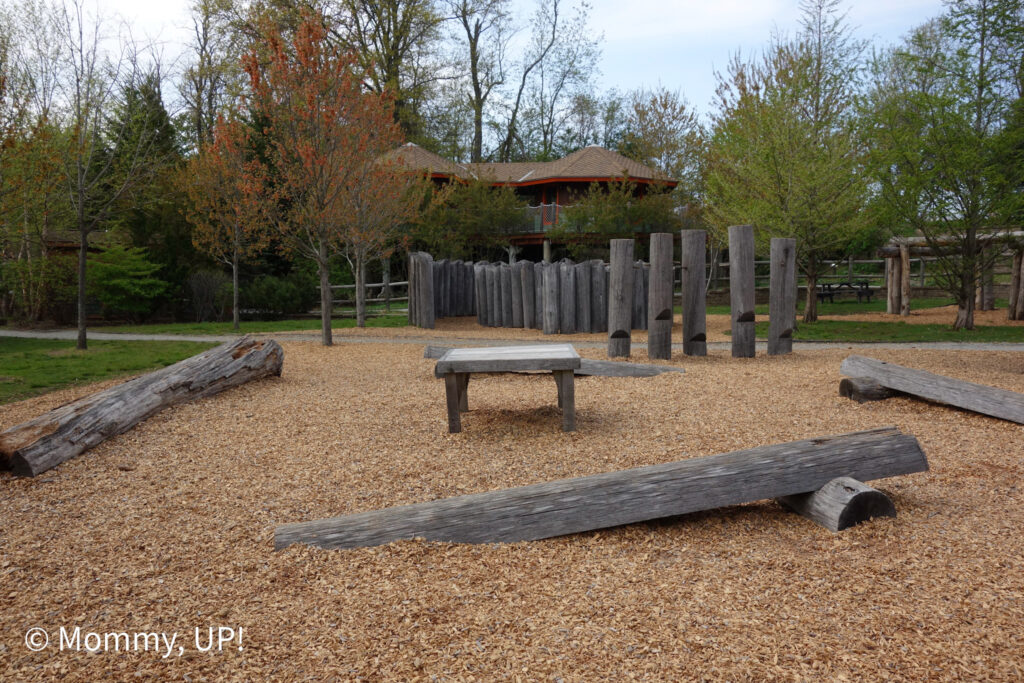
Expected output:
(558, 383)
(567, 393)
(463, 396)
(451, 391)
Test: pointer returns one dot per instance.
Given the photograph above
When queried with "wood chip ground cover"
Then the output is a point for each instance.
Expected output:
(169, 527)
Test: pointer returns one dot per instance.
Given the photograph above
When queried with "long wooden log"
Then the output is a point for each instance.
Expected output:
(741, 289)
(840, 504)
(694, 246)
(782, 296)
(979, 398)
(620, 298)
(604, 500)
(659, 297)
(65, 432)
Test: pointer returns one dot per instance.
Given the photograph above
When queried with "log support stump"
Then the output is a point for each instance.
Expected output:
(840, 504)
(863, 389)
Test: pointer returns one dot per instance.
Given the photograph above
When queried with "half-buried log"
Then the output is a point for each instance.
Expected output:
(862, 389)
(840, 504)
(59, 435)
(570, 506)
(979, 398)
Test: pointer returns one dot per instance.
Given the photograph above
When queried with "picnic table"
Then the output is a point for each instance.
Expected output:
(456, 365)
(828, 290)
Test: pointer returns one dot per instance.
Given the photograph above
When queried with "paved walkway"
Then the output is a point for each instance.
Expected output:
(340, 338)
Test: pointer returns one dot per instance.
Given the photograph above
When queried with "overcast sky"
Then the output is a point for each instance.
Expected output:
(675, 43)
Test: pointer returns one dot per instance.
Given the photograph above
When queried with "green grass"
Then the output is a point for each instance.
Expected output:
(253, 326)
(852, 331)
(35, 366)
(840, 307)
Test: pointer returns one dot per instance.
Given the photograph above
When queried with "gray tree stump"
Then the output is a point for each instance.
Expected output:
(840, 504)
(782, 296)
(694, 284)
(659, 297)
(620, 298)
(741, 289)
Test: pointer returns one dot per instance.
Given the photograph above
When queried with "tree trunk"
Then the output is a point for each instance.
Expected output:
(61, 434)
(83, 252)
(811, 301)
(1015, 277)
(234, 289)
(326, 304)
(360, 291)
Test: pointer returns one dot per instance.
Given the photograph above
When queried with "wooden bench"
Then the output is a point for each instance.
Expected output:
(829, 290)
(456, 365)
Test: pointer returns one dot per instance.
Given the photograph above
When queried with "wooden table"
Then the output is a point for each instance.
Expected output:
(456, 365)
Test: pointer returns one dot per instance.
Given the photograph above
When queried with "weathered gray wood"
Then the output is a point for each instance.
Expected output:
(411, 309)
(979, 398)
(452, 385)
(781, 296)
(1015, 279)
(894, 300)
(862, 390)
(590, 368)
(904, 279)
(480, 291)
(694, 249)
(46, 441)
(493, 296)
(605, 500)
(741, 289)
(440, 287)
(547, 357)
(527, 294)
(840, 504)
(582, 279)
(567, 292)
(516, 274)
(598, 296)
(506, 295)
(552, 299)
(567, 398)
(469, 279)
(428, 311)
(639, 314)
(538, 295)
(620, 298)
(659, 297)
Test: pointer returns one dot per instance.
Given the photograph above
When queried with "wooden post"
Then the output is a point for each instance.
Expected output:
(493, 296)
(583, 295)
(920, 276)
(567, 291)
(1020, 295)
(538, 295)
(598, 296)
(516, 274)
(840, 504)
(849, 269)
(1015, 278)
(904, 279)
(639, 314)
(551, 298)
(741, 289)
(425, 300)
(506, 294)
(441, 288)
(782, 296)
(567, 398)
(411, 288)
(527, 293)
(694, 286)
(547, 250)
(659, 297)
(895, 301)
(480, 290)
(620, 298)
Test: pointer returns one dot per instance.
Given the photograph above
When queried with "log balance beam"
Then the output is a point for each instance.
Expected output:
(568, 506)
(978, 398)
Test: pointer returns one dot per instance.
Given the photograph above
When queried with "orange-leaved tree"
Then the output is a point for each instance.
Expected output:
(224, 201)
(326, 142)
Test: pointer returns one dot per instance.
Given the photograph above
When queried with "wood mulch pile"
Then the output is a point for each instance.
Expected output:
(169, 527)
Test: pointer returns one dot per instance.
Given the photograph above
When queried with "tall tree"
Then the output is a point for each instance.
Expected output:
(324, 134)
(938, 108)
(785, 151)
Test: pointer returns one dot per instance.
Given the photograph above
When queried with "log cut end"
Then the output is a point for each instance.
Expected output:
(840, 504)
(863, 389)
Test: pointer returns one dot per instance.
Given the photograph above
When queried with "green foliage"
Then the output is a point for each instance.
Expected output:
(39, 287)
(461, 219)
(268, 297)
(122, 279)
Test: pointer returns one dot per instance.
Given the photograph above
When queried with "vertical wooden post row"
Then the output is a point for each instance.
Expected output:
(598, 296)
(694, 249)
(659, 301)
(551, 298)
(516, 273)
(583, 297)
(567, 295)
(781, 296)
(538, 295)
(422, 273)
(620, 298)
(741, 289)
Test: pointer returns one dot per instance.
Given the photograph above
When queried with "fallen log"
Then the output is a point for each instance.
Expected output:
(590, 368)
(605, 500)
(65, 432)
(840, 504)
(979, 398)
(862, 389)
